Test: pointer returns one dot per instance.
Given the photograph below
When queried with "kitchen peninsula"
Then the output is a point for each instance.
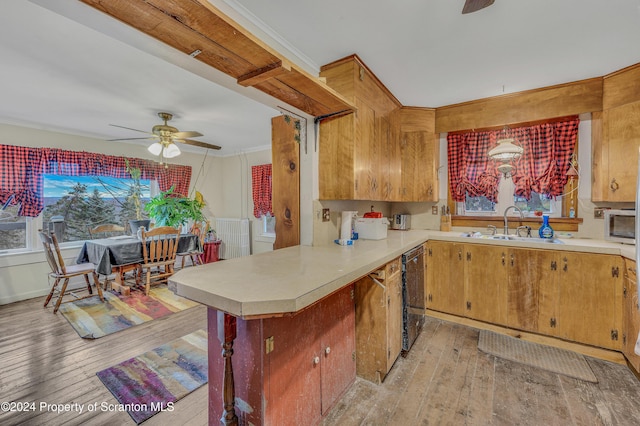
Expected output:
(288, 317)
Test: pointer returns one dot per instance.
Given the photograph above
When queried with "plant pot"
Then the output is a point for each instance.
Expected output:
(135, 224)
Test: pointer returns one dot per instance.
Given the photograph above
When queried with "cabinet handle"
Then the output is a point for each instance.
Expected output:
(503, 261)
(614, 185)
(316, 360)
(327, 350)
(512, 260)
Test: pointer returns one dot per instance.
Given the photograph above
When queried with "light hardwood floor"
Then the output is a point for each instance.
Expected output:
(445, 379)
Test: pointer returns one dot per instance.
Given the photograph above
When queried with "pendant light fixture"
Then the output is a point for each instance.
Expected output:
(506, 152)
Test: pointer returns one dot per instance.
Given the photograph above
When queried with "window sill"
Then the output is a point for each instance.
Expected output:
(557, 223)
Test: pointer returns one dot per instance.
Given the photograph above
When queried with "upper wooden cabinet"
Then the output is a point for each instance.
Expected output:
(383, 151)
(616, 138)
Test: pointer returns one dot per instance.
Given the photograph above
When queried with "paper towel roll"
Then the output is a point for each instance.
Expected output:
(347, 223)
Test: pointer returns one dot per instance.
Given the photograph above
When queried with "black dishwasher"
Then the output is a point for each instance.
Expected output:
(413, 303)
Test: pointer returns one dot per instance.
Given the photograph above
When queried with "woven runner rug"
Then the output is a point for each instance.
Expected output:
(548, 358)
(155, 380)
(92, 318)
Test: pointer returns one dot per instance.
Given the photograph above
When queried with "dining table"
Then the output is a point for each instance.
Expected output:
(121, 254)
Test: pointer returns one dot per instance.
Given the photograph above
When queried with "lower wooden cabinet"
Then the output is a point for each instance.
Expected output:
(570, 295)
(631, 316)
(378, 299)
(288, 370)
(444, 277)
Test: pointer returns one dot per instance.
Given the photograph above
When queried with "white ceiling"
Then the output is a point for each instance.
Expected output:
(62, 75)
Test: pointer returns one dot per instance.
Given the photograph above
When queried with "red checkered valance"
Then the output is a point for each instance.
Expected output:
(542, 168)
(21, 170)
(261, 186)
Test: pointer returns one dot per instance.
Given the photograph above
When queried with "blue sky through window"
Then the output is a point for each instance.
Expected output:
(57, 186)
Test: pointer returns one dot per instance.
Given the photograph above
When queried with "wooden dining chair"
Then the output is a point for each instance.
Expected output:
(159, 251)
(106, 230)
(60, 271)
(200, 230)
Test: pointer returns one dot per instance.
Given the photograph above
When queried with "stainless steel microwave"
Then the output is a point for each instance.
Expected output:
(620, 226)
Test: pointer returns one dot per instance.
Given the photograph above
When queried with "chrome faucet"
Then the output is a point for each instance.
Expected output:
(506, 220)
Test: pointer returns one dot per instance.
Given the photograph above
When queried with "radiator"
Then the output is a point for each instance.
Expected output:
(234, 234)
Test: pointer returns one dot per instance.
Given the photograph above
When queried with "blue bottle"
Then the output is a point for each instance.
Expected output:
(545, 230)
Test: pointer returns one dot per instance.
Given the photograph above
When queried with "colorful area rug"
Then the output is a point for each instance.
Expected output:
(92, 318)
(154, 381)
(548, 358)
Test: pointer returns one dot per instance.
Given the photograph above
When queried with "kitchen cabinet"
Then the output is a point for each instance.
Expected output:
(289, 369)
(353, 148)
(378, 300)
(486, 282)
(383, 151)
(631, 315)
(529, 270)
(616, 138)
(581, 300)
(444, 277)
(570, 295)
(419, 152)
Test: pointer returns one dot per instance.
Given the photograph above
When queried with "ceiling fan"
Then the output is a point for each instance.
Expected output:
(471, 6)
(166, 137)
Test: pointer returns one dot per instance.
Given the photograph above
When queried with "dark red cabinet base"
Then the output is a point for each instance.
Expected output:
(309, 365)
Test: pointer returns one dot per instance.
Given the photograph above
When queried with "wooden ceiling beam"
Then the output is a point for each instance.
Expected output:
(189, 25)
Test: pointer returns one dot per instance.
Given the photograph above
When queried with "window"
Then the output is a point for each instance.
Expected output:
(13, 229)
(23, 198)
(73, 204)
(268, 225)
(540, 176)
(535, 206)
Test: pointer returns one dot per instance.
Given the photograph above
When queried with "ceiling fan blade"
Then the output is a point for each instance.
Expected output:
(182, 135)
(475, 5)
(198, 143)
(130, 139)
(129, 128)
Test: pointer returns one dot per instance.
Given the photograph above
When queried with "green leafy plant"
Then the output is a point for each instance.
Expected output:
(169, 209)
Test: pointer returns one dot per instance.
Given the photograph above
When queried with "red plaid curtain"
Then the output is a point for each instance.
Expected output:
(542, 168)
(21, 170)
(261, 186)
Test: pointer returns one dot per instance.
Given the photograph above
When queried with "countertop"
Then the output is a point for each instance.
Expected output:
(288, 280)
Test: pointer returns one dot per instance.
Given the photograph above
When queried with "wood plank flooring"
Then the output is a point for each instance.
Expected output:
(445, 379)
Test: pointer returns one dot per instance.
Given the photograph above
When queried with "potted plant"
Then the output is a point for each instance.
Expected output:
(135, 194)
(169, 209)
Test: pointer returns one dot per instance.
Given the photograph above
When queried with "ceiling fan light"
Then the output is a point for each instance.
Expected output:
(171, 151)
(506, 150)
(155, 148)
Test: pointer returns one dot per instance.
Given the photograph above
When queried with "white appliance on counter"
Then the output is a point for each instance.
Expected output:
(371, 228)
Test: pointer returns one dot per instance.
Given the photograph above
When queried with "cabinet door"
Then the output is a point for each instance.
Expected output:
(417, 152)
(335, 319)
(590, 290)
(367, 154)
(486, 282)
(621, 139)
(336, 174)
(527, 270)
(394, 315)
(371, 329)
(631, 316)
(292, 379)
(444, 277)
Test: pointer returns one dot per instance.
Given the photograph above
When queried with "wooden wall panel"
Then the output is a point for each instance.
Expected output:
(621, 87)
(285, 182)
(538, 104)
(417, 119)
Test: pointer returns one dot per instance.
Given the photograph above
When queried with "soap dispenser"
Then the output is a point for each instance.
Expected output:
(545, 231)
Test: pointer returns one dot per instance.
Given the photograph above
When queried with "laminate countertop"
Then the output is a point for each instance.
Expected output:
(288, 280)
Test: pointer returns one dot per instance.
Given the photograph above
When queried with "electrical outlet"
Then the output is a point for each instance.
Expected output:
(326, 215)
(598, 213)
(434, 209)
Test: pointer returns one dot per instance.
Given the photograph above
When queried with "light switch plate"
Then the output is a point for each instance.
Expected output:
(434, 209)
(598, 213)
(326, 215)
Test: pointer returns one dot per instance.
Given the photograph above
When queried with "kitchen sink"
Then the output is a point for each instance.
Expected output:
(514, 238)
